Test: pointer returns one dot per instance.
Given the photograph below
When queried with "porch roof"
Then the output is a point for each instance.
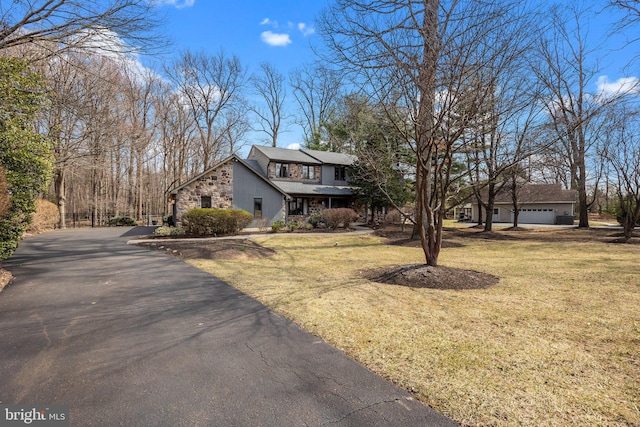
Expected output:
(310, 189)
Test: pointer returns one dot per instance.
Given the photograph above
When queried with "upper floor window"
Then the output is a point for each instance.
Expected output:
(341, 173)
(308, 172)
(282, 170)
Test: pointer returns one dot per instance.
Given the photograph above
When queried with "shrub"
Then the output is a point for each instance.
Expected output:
(169, 221)
(122, 221)
(277, 225)
(212, 222)
(46, 217)
(334, 217)
(5, 196)
(168, 231)
(293, 226)
(315, 219)
(263, 224)
(240, 219)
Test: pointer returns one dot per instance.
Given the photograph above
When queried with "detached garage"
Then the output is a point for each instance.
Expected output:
(537, 204)
(535, 215)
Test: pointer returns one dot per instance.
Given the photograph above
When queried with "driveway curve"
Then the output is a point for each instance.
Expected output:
(128, 336)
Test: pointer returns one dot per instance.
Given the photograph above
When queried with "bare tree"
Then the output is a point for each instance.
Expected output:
(417, 58)
(137, 97)
(62, 122)
(621, 149)
(567, 69)
(209, 85)
(316, 89)
(269, 86)
(59, 25)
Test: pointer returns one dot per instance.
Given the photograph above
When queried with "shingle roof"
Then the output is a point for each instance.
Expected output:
(329, 157)
(286, 155)
(301, 188)
(538, 193)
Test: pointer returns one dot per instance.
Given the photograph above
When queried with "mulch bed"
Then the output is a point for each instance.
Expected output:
(424, 276)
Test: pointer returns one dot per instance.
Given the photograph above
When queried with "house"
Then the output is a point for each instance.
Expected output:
(271, 183)
(538, 204)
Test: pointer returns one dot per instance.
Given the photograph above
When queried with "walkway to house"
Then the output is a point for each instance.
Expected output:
(128, 336)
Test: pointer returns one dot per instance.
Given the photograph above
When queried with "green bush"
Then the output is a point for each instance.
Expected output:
(277, 225)
(213, 222)
(334, 217)
(315, 219)
(168, 231)
(122, 221)
(26, 157)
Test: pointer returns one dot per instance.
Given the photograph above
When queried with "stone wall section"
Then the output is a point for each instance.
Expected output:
(217, 184)
(295, 173)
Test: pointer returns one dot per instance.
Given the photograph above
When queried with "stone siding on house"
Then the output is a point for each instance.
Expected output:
(295, 172)
(218, 184)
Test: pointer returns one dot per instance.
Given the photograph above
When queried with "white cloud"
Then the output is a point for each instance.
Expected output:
(178, 4)
(305, 29)
(105, 43)
(265, 21)
(275, 39)
(294, 146)
(624, 85)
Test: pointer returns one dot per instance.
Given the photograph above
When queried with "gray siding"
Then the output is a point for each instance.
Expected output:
(329, 176)
(247, 186)
(259, 157)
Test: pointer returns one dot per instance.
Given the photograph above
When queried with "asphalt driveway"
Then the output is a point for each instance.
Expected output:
(127, 336)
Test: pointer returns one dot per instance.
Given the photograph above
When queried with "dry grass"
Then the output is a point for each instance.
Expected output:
(556, 342)
(45, 218)
(5, 278)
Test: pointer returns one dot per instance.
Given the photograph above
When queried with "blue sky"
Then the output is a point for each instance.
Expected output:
(280, 32)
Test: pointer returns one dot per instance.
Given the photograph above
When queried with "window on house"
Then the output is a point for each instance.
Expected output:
(298, 206)
(308, 172)
(295, 206)
(496, 211)
(205, 202)
(257, 207)
(341, 173)
(282, 170)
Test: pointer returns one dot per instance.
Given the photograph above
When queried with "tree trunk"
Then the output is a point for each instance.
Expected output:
(584, 207)
(61, 197)
(491, 197)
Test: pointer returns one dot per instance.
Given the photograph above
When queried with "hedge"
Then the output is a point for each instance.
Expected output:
(213, 222)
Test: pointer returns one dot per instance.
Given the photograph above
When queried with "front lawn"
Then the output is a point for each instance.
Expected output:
(555, 342)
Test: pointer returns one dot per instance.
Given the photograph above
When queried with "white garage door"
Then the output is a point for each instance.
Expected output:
(536, 216)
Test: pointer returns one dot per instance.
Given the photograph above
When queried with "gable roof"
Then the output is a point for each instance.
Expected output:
(538, 193)
(233, 157)
(286, 155)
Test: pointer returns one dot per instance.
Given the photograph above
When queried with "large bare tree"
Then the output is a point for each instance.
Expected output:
(269, 86)
(316, 89)
(568, 69)
(417, 58)
(210, 85)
